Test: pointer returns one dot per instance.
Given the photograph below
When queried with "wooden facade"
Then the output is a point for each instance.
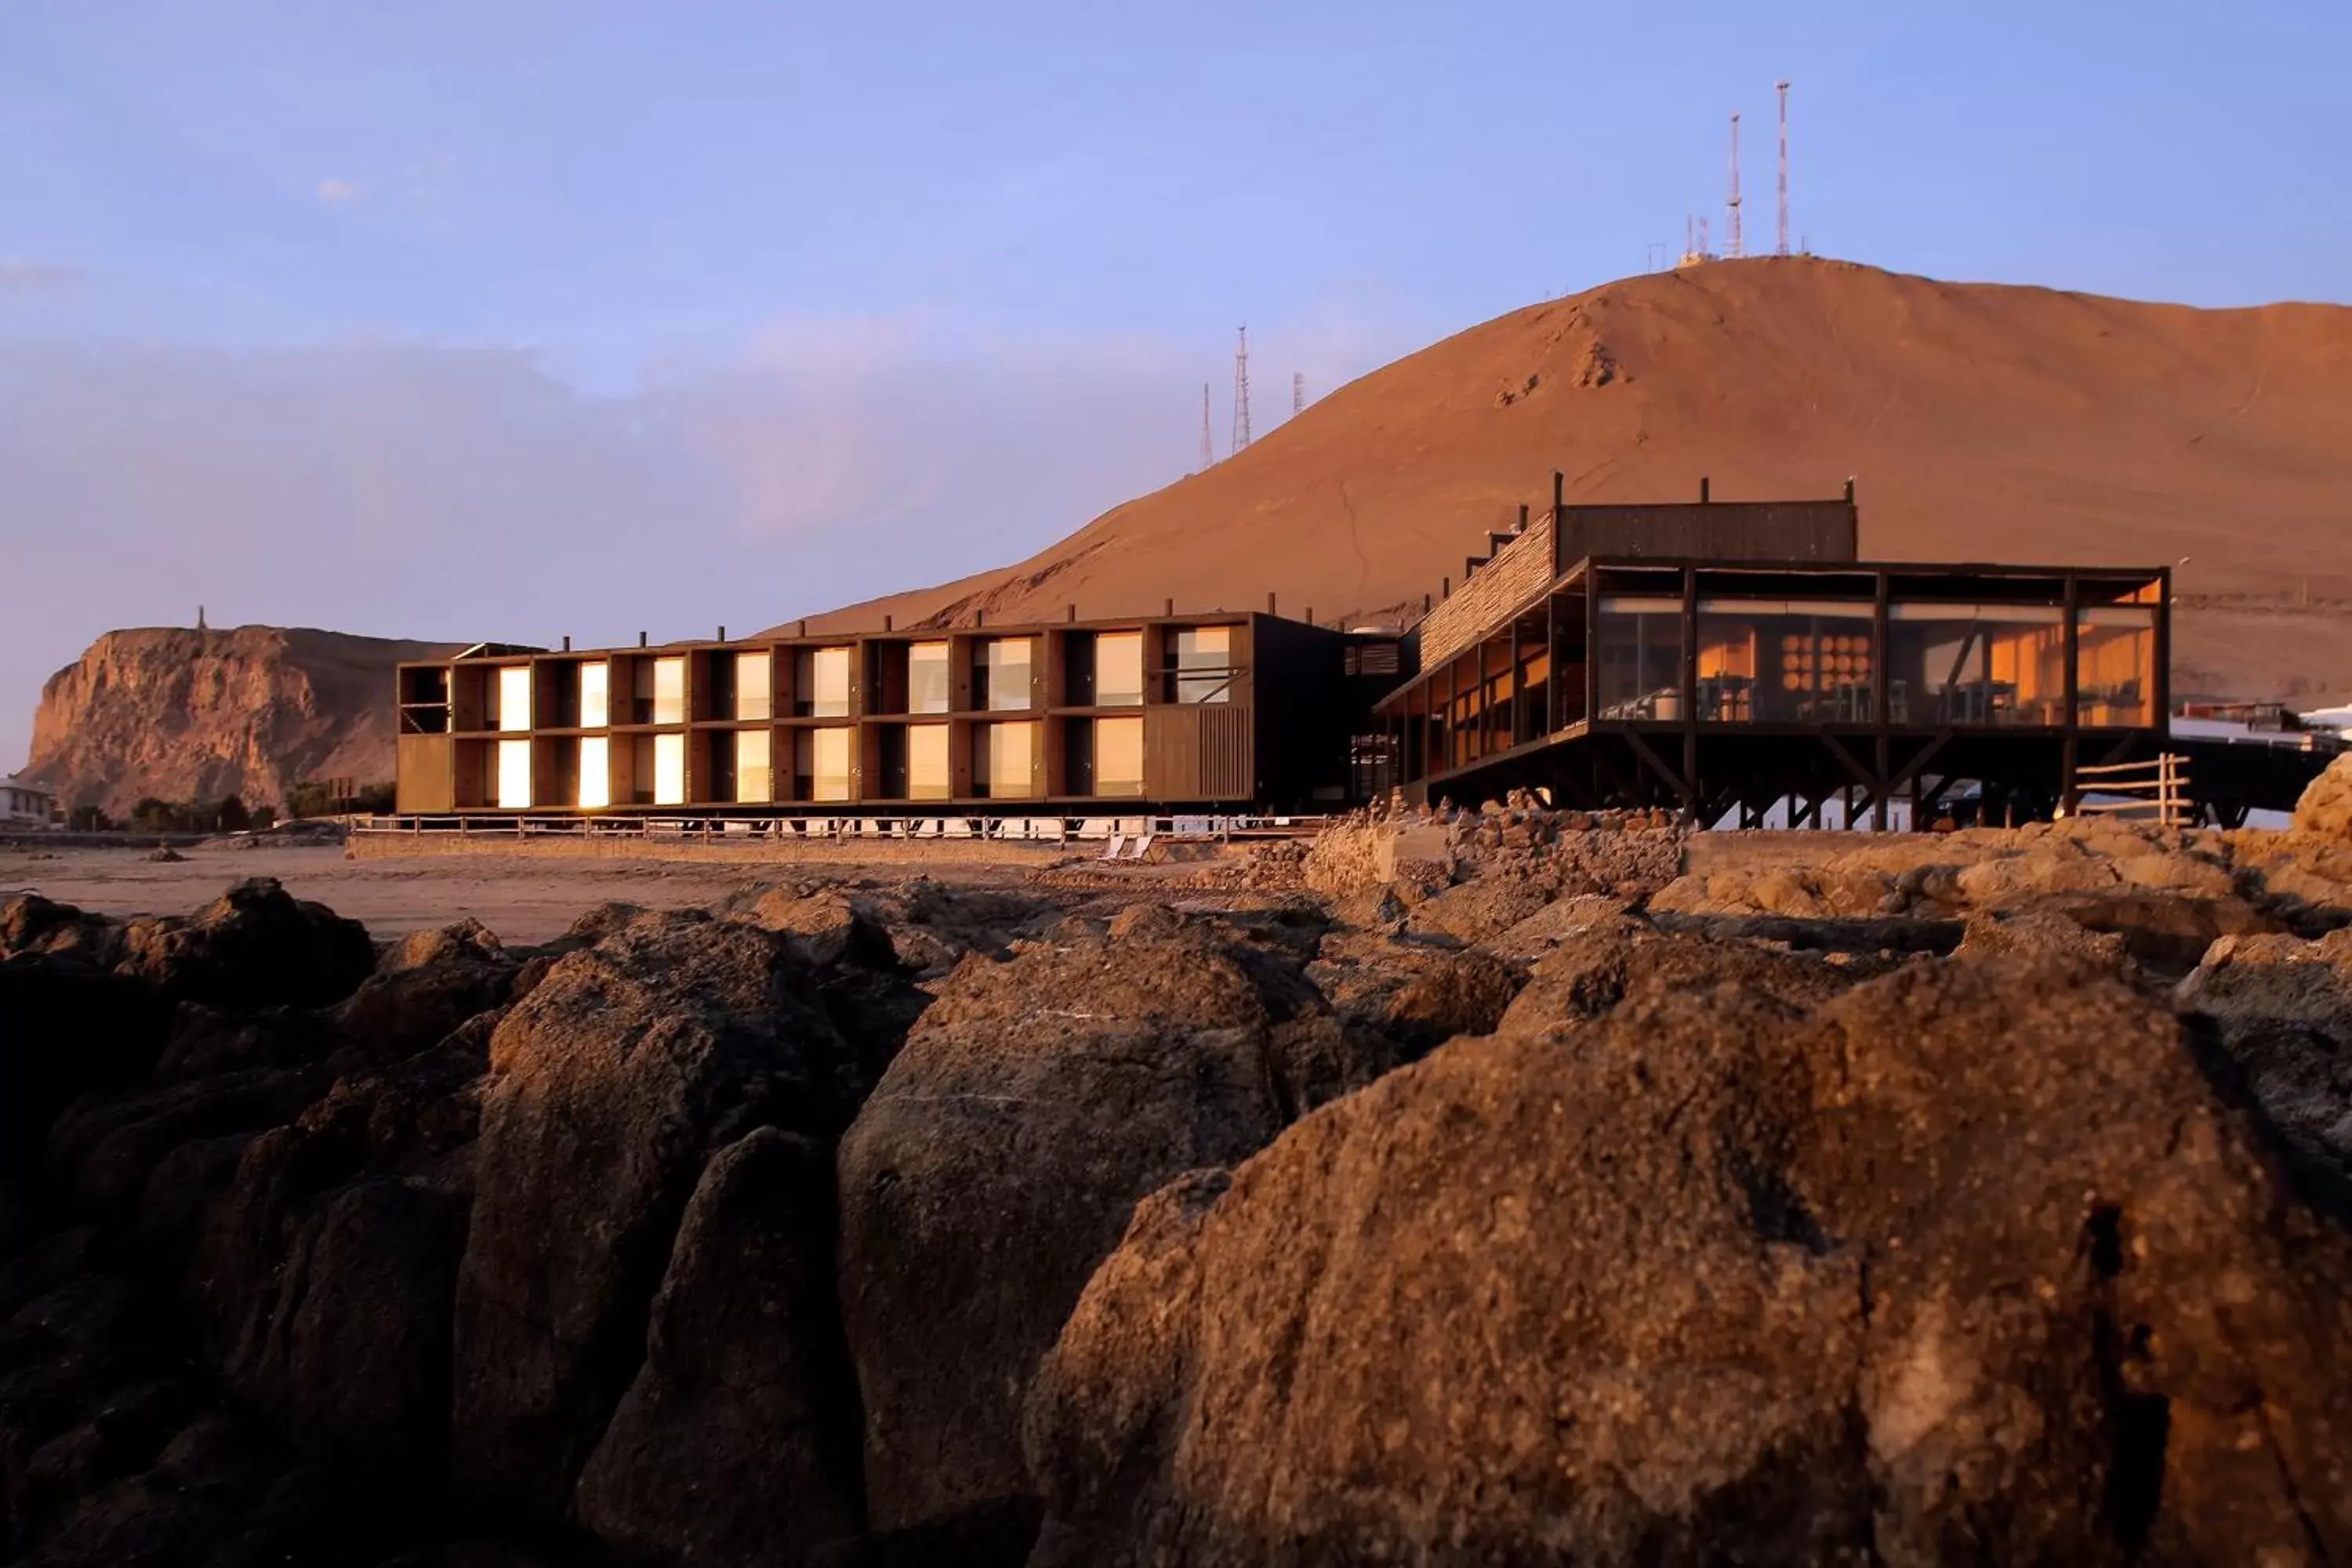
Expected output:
(1225, 710)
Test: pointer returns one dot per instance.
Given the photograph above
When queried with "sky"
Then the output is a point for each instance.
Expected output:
(510, 318)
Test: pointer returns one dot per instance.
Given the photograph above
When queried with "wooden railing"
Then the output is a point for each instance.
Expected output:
(2155, 790)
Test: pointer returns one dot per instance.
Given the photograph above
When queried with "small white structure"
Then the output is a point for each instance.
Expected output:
(24, 803)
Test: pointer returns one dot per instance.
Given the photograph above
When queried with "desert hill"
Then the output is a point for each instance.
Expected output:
(1981, 422)
(188, 715)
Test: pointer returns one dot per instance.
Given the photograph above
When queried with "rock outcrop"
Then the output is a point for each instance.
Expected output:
(609, 1087)
(997, 1161)
(736, 1443)
(1717, 1279)
(2325, 808)
(1247, 1229)
(197, 715)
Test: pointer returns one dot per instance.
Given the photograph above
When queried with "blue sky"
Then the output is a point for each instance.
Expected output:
(281, 284)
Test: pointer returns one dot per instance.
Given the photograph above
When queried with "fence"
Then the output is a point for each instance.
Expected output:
(2153, 791)
(1041, 830)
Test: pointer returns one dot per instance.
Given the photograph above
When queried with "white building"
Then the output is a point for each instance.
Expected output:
(24, 803)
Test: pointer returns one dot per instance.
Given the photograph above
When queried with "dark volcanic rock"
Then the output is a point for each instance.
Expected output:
(1592, 970)
(423, 988)
(610, 1085)
(253, 946)
(994, 1534)
(67, 1031)
(998, 1160)
(31, 923)
(2281, 1009)
(1965, 1264)
(738, 1442)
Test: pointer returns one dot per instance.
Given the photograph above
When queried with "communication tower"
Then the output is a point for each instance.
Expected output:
(1241, 393)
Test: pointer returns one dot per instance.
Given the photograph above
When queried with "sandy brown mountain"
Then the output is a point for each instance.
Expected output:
(195, 715)
(1981, 422)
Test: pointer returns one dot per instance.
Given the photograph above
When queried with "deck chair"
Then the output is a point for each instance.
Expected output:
(1117, 845)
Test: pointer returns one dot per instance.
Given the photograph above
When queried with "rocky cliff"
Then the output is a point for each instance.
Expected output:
(188, 715)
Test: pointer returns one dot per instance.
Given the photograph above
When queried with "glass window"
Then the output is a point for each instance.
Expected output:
(595, 772)
(929, 687)
(1004, 673)
(1786, 662)
(755, 684)
(821, 762)
(514, 774)
(1975, 664)
(821, 682)
(512, 694)
(1003, 761)
(1639, 652)
(1204, 664)
(926, 762)
(669, 770)
(2115, 665)
(753, 783)
(595, 695)
(1118, 669)
(670, 690)
(641, 691)
(1118, 756)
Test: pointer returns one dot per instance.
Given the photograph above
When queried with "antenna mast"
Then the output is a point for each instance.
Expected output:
(1731, 215)
(1241, 393)
(1782, 247)
(1298, 393)
(1208, 452)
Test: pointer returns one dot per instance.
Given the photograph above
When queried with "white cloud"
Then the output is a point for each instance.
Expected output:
(338, 193)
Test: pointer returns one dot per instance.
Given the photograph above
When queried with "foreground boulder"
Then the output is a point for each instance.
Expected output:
(253, 946)
(2325, 808)
(2281, 1009)
(610, 1086)
(999, 1158)
(738, 1441)
(1965, 1264)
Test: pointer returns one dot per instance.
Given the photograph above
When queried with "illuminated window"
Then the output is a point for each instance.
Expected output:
(928, 685)
(1004, 668)
(514, 774)
(1003, 761)
(1118, 669)
(595, 772)
(754, 781)
(1118, 756)
(2114, 665)
(755, 686)
(1639, 649)
(926, 762)
(1786, 661)
(513, 697)
(595, 696)
(821, 763)
(669, 692)
(1975, 664)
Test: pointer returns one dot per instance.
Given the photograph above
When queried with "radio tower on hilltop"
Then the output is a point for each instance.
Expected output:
(1731, 215)
(1298, 393)
(1241, 393)
(1782, 247)
(1208, 452)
